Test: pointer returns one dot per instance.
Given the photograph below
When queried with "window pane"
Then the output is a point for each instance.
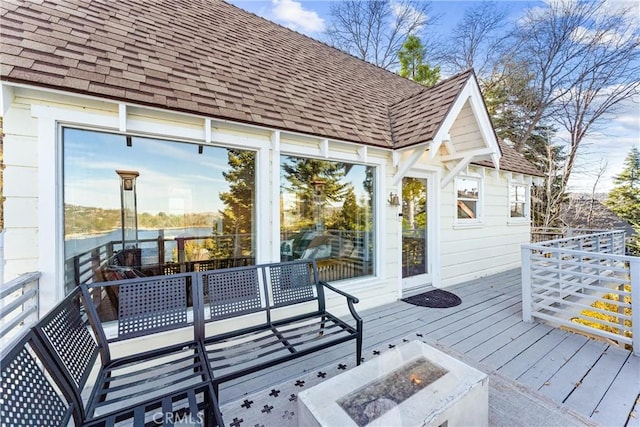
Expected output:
(518, 201)
(467, 188)
(467, 194)
(188, 208)
(467, 209)
(326, 213)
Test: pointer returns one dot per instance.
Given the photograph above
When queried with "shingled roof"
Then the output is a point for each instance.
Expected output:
(513, 161)
(210, 58)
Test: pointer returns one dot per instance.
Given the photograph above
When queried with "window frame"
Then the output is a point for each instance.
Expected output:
(479, 219)
(526, 218)
(339, 152)
(171, 138)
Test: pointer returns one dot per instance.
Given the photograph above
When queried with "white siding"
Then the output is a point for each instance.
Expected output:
(33, 211)
(473, 251)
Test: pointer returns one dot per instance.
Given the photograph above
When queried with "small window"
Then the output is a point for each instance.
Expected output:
(468, 198)
(518, 201)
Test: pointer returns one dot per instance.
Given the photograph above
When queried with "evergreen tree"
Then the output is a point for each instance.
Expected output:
(348, 218)
(316, 182)
(237, 217)
(412, 65)
(624, 198)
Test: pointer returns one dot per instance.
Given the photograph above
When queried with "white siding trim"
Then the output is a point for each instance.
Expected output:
(274, 163)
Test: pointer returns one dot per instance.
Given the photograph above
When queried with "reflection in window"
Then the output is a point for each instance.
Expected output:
(189, 208)
(326, 213)
(518, 201)
(467, 197)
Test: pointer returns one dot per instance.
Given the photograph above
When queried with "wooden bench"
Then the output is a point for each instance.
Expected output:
(260, 316)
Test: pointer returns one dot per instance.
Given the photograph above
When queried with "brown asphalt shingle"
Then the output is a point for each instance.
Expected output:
(211, 58)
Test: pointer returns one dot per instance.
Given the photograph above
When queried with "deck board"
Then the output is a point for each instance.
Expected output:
(619, 401)
(597, 381)
(590, 377)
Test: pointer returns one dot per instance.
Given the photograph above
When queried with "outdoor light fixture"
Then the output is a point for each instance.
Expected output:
(393, 199)
(200, 148)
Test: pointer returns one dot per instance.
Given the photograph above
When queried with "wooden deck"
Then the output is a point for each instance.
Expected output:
(591, 378)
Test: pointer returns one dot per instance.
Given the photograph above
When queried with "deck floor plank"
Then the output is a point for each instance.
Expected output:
(567, 378)
(487, 328)
(516, 346)
(596, 382)
(617, 404)
(521, 363)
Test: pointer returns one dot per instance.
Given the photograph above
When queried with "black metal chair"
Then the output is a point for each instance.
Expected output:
(151, 383)
(33, 392)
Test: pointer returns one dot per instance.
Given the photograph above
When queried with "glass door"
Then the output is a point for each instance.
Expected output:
(415, 265)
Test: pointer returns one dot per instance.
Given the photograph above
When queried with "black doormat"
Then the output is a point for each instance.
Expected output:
(436, 298)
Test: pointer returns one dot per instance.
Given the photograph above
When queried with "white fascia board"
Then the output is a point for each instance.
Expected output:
(6, 98)
(484, 122)
(207, 130)
(362, 153)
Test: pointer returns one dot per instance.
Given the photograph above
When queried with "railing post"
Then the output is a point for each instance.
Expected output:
(181, 255)
(634, 280)
(525, 273)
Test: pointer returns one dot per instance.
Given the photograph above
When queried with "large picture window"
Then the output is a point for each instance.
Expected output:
(140, 206)
(326, 213)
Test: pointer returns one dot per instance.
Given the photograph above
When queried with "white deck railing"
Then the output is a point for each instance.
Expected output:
(565, 282)
(18, 307)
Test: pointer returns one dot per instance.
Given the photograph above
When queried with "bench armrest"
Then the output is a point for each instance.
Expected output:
(349, 297)
(351, 300)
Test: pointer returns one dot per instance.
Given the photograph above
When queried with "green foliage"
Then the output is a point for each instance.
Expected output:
(237, 216)
(624, 198)
(315, 182)
(412, 65)
(415, 197)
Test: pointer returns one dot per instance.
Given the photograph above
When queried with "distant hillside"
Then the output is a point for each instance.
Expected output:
(86, 219)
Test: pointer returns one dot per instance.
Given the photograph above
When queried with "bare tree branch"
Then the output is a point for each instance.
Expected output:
(375, 30)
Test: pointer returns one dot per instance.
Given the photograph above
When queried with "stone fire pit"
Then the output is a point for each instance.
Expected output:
(411, 385)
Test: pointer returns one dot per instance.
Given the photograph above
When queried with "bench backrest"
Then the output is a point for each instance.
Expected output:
(33, 391)
(65, 333)
(139, 307)
(240, 291)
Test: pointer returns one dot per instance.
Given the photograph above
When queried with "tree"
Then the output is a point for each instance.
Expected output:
(624, 198)
(348, 216)
(476, 41)
(412, 64)
(583, 59)
(375, 30)
(237, 216)
(315, 182)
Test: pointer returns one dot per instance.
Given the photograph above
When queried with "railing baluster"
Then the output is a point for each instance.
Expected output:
(634, 281)
(572, 274)
(20, 307)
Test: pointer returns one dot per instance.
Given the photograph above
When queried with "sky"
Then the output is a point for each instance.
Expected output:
(606, 147)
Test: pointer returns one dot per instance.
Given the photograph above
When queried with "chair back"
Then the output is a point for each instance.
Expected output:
(141, 307)
(33, 390)
(66, 335)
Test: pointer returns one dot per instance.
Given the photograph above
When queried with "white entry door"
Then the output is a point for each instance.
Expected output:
(416, 270)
